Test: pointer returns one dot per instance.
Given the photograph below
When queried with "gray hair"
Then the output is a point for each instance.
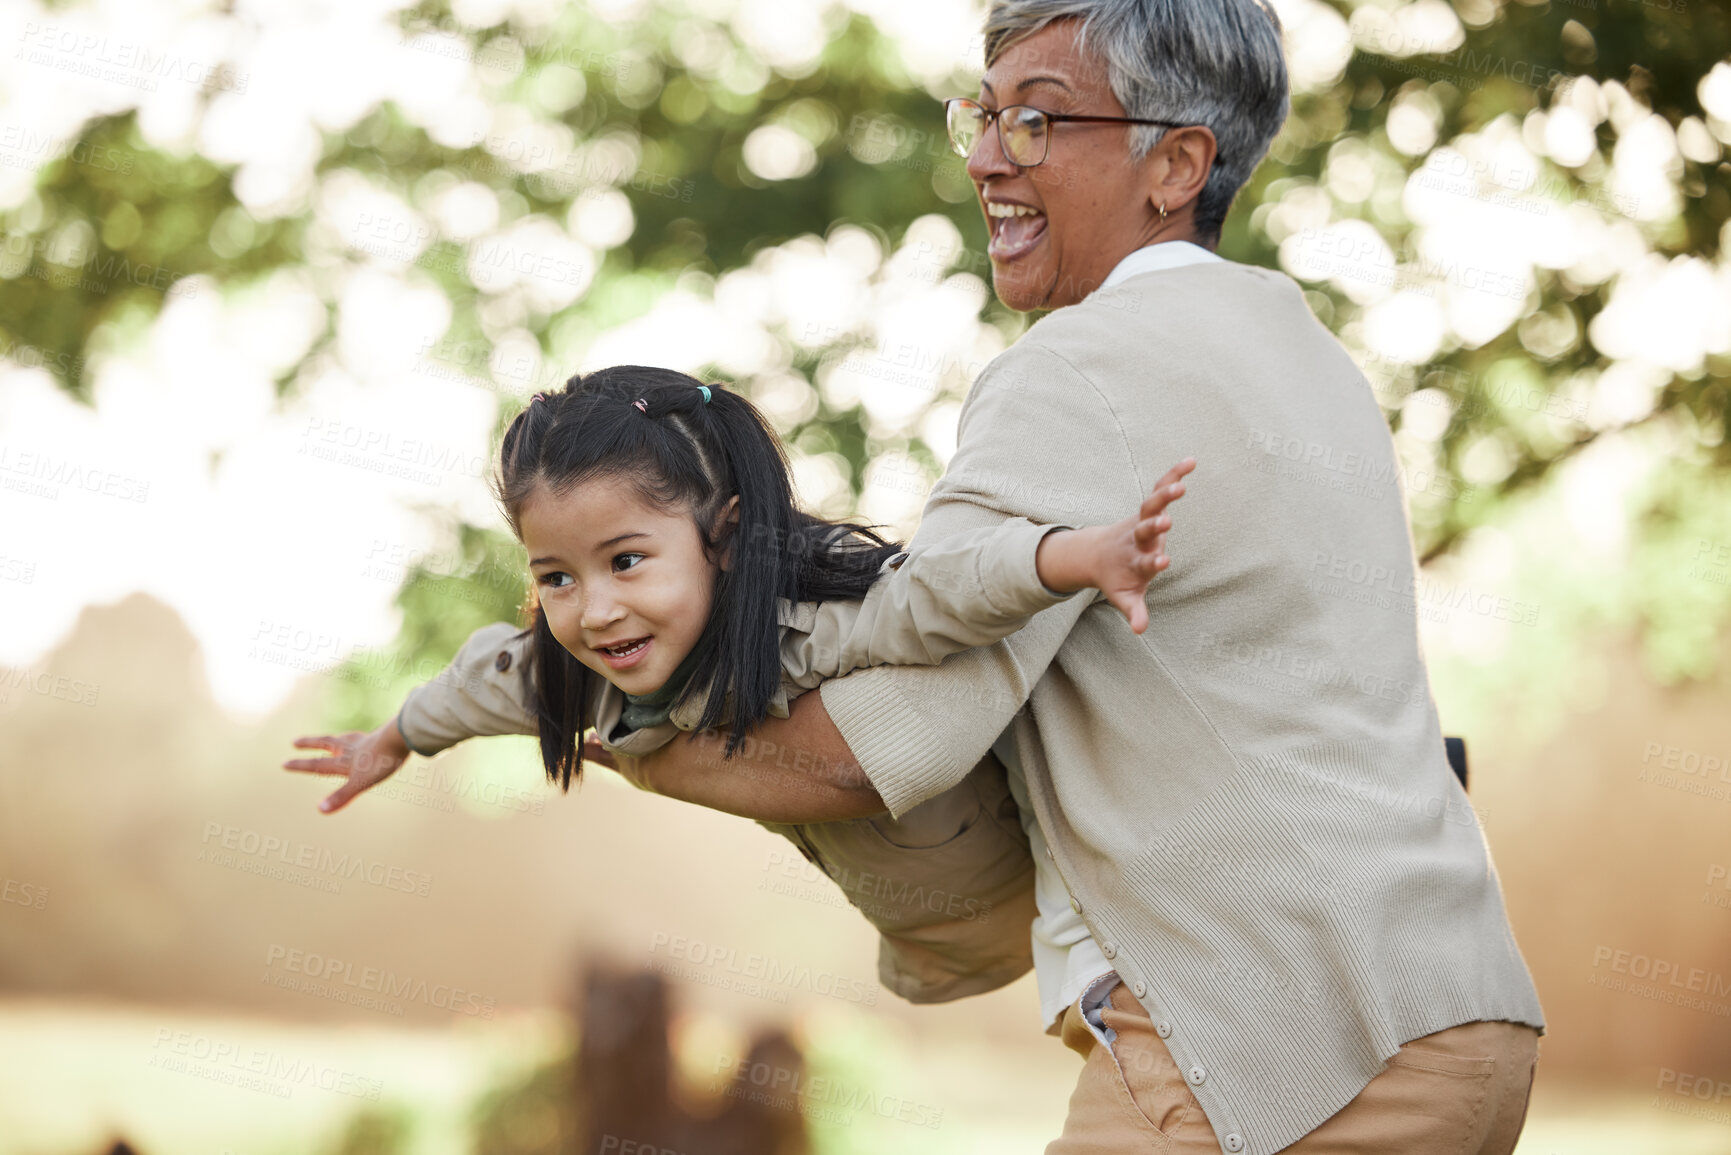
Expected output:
(1217, 63)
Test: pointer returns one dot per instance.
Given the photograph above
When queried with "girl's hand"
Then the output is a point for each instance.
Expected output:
(1118, 560)
(366, 759)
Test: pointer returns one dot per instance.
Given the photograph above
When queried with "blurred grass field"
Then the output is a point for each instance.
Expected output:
(75, 1076)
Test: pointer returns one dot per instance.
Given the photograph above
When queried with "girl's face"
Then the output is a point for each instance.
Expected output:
(626, 586)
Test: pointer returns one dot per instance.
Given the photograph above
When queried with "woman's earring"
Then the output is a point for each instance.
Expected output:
(642, 406)
(1162, 210)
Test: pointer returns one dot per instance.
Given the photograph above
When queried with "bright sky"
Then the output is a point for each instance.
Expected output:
(281, 534)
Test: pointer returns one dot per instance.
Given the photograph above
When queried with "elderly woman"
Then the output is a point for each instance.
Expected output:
(1268, 919)
(1266, 916)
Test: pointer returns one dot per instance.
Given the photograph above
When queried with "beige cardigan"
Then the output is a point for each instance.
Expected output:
(949, 884)
(1250, 802)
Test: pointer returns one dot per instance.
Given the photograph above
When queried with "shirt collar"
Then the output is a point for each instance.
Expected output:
(1160, 255)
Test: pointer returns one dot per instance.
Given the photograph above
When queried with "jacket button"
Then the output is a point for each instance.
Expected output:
(1075, 904)
(1197, 1076)
(503, 661)
(1233, 1142)
(1141, 988)
(1050, 855)
(1163, 1029)
(1109, 949)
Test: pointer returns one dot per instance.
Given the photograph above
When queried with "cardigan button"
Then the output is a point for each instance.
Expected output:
(503, 661)
(1233, 1142)
(1075, 904)
(1163, 1029)
(1109, 949)
(1197, 1076)
(1141, 988)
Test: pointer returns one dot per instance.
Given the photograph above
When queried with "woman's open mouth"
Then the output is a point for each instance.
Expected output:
(1016, 229)
(624, 654)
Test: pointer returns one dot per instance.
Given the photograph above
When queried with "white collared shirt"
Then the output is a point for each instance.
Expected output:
(1066, 957)
(1160, 255)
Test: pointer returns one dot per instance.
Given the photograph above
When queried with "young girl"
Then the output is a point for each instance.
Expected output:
(677, 587)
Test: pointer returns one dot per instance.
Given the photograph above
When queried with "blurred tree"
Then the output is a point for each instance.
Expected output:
(618, 1090)
(376, 1131)
(1418, 132)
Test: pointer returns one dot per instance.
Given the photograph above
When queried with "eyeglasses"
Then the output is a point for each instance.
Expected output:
(1025, 133)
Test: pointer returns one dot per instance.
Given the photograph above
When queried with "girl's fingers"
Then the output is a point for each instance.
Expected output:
(318, 765)
(1146, 565)
(1168, 489)
(1160, 498)
(320, 742)
(1146, 531)
(1176, 473)
(1133, 608)
(340, 798)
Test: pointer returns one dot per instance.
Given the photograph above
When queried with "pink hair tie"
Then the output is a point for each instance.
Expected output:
(642, 405)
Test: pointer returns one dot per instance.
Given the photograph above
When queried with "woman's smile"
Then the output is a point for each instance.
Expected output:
(1016, 229)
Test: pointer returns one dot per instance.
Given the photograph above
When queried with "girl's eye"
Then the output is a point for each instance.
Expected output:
(551, 579)
(625, 561)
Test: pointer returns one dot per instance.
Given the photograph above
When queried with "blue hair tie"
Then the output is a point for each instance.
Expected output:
(705, 389)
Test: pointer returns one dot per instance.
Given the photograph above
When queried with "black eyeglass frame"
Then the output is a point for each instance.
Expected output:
(996, 121)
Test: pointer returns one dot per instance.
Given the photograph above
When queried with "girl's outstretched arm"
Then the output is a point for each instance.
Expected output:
(474, 696)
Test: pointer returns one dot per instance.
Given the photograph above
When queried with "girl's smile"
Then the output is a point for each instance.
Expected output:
(624, 654)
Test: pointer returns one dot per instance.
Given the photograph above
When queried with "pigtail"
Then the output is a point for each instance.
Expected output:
(762, 560)
(561, 691)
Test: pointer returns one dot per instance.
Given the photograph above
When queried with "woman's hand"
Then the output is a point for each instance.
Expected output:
(366, 760)
(633, 769)
(1118, 560)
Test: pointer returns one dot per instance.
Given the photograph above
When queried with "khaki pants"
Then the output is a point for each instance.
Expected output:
(1462, 1091)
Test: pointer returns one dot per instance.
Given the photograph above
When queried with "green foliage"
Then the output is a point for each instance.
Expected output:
(118, 223)
(533, 1114)
(376, 1132)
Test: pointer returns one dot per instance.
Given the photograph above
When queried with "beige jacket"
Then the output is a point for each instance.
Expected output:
(1249, 803)
(949, 884)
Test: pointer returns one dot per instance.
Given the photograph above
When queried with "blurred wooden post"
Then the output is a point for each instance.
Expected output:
(622, 1086)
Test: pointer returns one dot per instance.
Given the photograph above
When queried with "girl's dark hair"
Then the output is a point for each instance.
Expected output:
(679, 450)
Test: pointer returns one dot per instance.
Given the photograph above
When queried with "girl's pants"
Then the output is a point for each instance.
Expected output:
(1462, 1091)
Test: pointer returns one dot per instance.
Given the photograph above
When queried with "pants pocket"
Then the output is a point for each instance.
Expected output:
(1152, 1084)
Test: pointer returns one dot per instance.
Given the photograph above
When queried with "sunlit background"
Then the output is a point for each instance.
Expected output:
(273, 276)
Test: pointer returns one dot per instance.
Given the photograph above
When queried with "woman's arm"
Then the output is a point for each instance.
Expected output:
(804, 774)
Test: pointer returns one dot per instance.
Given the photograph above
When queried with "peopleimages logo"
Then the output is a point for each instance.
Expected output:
(370, 987)
(253, 1068)
(711, 964)
(291, 860)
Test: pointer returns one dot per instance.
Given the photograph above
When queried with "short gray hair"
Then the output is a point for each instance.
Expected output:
(1217, 63)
